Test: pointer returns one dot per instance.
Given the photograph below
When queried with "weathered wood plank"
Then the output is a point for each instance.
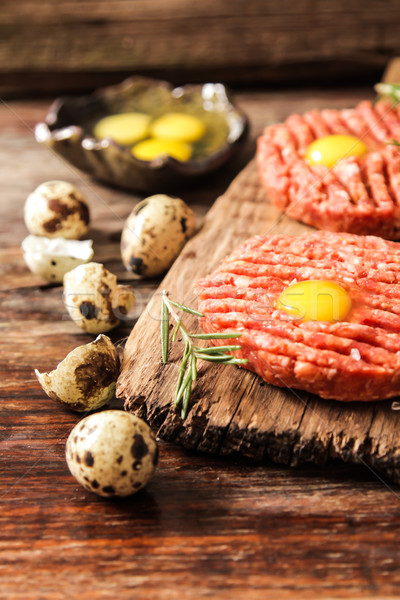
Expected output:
(262, 40)
(234, 411)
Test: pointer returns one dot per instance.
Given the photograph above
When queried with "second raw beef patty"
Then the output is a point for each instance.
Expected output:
(359, 194)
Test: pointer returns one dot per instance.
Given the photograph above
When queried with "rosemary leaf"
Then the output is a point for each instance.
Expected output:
(164, 331)
(216, 349)
(177, 328)
(237, 361)
(186, 355)
(179, 383)
(214, 357)
(191, 311)
(216, 336)
(193, 366)
(186, 383)
(185, 403)
(182, 369)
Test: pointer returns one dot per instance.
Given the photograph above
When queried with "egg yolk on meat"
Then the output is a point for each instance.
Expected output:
(178, 126)
(315, 301)
(332, 148)
(124, 128)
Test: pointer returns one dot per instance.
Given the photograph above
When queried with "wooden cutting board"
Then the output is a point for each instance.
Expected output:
(233, 410)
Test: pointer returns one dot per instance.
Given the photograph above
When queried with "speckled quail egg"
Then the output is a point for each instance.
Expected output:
(94, 300)
(112, 453)
(86, 378)
(155, 233)
(56, 209)
(51, 258)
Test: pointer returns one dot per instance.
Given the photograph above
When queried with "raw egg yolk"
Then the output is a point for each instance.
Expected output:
(178, 126)
(315, 301)
(124, 128)
(153, 148)
(332, 148)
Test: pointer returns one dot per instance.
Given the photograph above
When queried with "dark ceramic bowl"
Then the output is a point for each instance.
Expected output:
(68, 130)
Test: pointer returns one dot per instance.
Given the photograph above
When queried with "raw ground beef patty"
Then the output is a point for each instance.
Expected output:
(355, 359)
(358, 195)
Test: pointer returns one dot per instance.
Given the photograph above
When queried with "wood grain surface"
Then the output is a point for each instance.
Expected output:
(43, 43)
(206, 526)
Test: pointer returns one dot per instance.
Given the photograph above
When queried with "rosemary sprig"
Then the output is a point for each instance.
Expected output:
(394, 143)
(390, 90)
(188, 368)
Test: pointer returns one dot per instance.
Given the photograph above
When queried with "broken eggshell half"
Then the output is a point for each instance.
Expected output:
(51, 258)
(94, 300)
(85, 380)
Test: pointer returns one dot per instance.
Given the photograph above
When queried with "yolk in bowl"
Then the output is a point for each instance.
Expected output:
(124, 128)
(153, 147)
(330, 149)
(178, 126)
(315, 301)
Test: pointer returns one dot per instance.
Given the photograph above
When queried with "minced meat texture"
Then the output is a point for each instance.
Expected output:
(359, 194)
(356, 359)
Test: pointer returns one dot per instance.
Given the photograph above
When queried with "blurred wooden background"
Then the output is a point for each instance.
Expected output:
(49, 46)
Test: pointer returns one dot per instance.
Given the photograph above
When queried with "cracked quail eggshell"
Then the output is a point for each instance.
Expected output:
(112, 453)
(57, 209)
(155, 233)
(51, 258)
(86, 378)
(94, 300)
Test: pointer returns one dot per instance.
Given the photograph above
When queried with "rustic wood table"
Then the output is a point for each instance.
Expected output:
(205, 526)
